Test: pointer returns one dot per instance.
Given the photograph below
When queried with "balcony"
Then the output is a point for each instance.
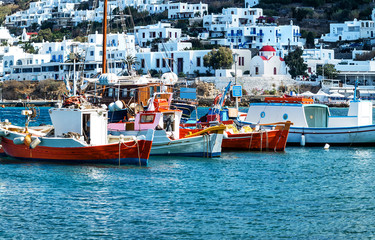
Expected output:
(235, 34)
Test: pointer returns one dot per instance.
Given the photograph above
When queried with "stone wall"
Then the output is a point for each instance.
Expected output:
(253, 85)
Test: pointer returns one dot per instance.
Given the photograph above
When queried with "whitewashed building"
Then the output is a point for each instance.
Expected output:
(53, 60)
(146, 34)
(186, 10)
(187, 61)
(318, 57)
(282, 37)
(350, 31)
(216, 24)
(267, 63)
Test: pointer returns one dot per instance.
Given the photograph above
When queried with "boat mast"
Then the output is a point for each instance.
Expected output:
(104, 57)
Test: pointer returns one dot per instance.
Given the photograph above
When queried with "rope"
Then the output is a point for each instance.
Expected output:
(251, 139)
(128, 146)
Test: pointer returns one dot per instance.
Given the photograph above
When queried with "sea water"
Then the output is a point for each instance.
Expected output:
(302, 193)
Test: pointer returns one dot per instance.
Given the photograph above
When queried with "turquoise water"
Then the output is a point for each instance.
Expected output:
(303, 193)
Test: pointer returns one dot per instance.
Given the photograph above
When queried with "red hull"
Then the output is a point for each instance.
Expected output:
(133, 154)
(274, 140)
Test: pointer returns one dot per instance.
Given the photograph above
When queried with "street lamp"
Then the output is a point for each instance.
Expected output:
(235, 56)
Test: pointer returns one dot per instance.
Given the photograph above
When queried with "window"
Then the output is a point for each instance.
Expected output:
(274, 71)
(142, 63)
(175, 34)
(110, 92)
(62, 48)
(91, 53)
(164, 63)
(256, 70)
(198, 61)
(158, 63)
(132, 93)
(147, 118)
(124, 92)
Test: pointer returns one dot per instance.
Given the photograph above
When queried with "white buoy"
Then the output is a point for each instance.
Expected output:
(303, 140)
(118, 105)
(326, 147)
(111, 107)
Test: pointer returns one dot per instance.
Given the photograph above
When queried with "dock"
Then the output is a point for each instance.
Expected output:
(22, 103)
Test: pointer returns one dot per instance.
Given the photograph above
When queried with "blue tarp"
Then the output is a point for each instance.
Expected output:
(188, 93)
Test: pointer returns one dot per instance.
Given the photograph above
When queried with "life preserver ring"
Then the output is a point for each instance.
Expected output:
(217, 99)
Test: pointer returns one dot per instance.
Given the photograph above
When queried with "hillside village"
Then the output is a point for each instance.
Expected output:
(180, 38)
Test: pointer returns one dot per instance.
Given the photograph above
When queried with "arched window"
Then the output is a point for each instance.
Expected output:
(19, 62)
(10, 63)
(6, 64)
(274, 71)
(256, 70)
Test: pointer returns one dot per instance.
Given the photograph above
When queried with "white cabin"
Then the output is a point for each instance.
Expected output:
(310, 115)
(91, 124)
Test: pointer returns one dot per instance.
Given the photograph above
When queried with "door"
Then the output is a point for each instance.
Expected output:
(180, 65)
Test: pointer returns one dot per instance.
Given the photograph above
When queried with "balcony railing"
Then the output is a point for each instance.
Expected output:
(235, 34)
(296, 34)
(260, 34)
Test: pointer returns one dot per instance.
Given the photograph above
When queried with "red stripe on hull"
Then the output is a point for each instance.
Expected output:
(274, 140)
(80, 154)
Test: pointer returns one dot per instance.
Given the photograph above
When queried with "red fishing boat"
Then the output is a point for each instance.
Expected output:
(78, 135)
(238, 136)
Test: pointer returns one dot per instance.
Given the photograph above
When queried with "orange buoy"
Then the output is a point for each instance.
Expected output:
(27, 140)
(3, 106)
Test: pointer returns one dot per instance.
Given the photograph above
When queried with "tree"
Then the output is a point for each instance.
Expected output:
(130, 61)
(29, 48)
(217, 59)
(295, 63)
(329, 71)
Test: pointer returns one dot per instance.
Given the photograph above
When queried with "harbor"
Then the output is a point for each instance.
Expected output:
(291, 194)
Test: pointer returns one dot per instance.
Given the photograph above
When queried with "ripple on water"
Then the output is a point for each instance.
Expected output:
(301, 193)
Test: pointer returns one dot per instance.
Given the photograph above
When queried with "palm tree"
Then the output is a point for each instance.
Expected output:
(130, 60)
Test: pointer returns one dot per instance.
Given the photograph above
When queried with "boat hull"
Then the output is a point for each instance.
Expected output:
(197, 146)
(335, 136)
(273, 140)
(131, 152)
(208, 145)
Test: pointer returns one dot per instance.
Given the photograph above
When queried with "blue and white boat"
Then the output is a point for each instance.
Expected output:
(313, 124)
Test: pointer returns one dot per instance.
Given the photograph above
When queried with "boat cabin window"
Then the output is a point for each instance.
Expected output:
(132, 93)
(168, 122)
(316, 116)
(147, 118)
(124, 92)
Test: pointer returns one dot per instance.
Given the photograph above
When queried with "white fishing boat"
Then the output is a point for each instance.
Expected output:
(78, 135)
(313, 124)
(167, 140)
